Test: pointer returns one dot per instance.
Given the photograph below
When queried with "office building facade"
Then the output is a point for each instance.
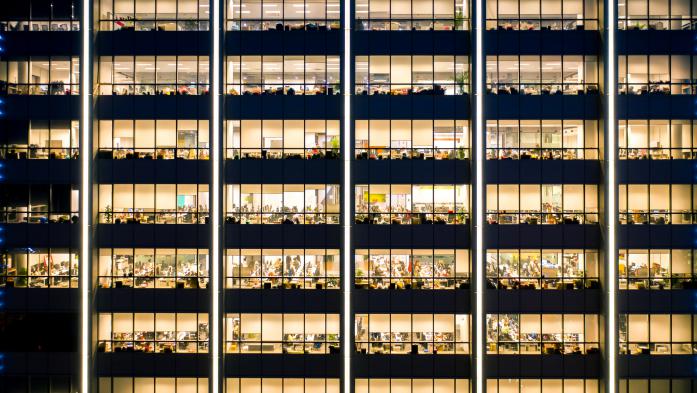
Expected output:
(361, 196)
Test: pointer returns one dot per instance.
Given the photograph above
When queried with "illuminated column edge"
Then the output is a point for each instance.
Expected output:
(85, 196)
(480, 69)
(346, 341)
(215, 208)
(611, 185)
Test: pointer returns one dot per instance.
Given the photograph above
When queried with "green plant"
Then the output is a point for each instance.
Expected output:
(360, 272)
(108, 214)
(461, 153)
(461, 217)
(459, 20)
(334, 143)
(461, 79)
(190, 25)
(21, 279)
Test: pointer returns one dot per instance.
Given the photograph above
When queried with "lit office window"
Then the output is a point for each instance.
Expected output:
(412, 15)
(537, 334)
(656, 269)
(152, 385)
(657, 385)
(153, 268)
(431, 334)
(282, 203)
(412, 139)
(300, 334)
(542, 269)
(46, 139)
(282, 139)
(282, 75)
(656, 74)
(657, 139)
(39, 268)
(542, 204)
(148, 332)
(282, 268)
(545, 75)
(541, 15)
(415, 385)
(62, 24)
(541, 140)
(37, 75)
(412, 204)
(153, 139)
(534, 385)
(153, 15)
(153, 75)
(657, 15)
(657, 204)
(412, 75)
(38, 15)
(657, 334)
(153, 203)
(412, 269)
(283, 15)
(295, 385)
(39, 203)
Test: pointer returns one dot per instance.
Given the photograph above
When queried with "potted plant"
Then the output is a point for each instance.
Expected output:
(190, 25)
(461, 80)
(56, 88)
(360, 277)
(459, 20)
(108, 214)
(21, 279)
(334, 145)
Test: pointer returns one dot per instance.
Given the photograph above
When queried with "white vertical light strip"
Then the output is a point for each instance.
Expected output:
(85, 197)
(215, 211)
(611, 147)
(347, 203)
(480, 69)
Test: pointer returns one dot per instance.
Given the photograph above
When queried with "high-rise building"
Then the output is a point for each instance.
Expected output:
(348, 196)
